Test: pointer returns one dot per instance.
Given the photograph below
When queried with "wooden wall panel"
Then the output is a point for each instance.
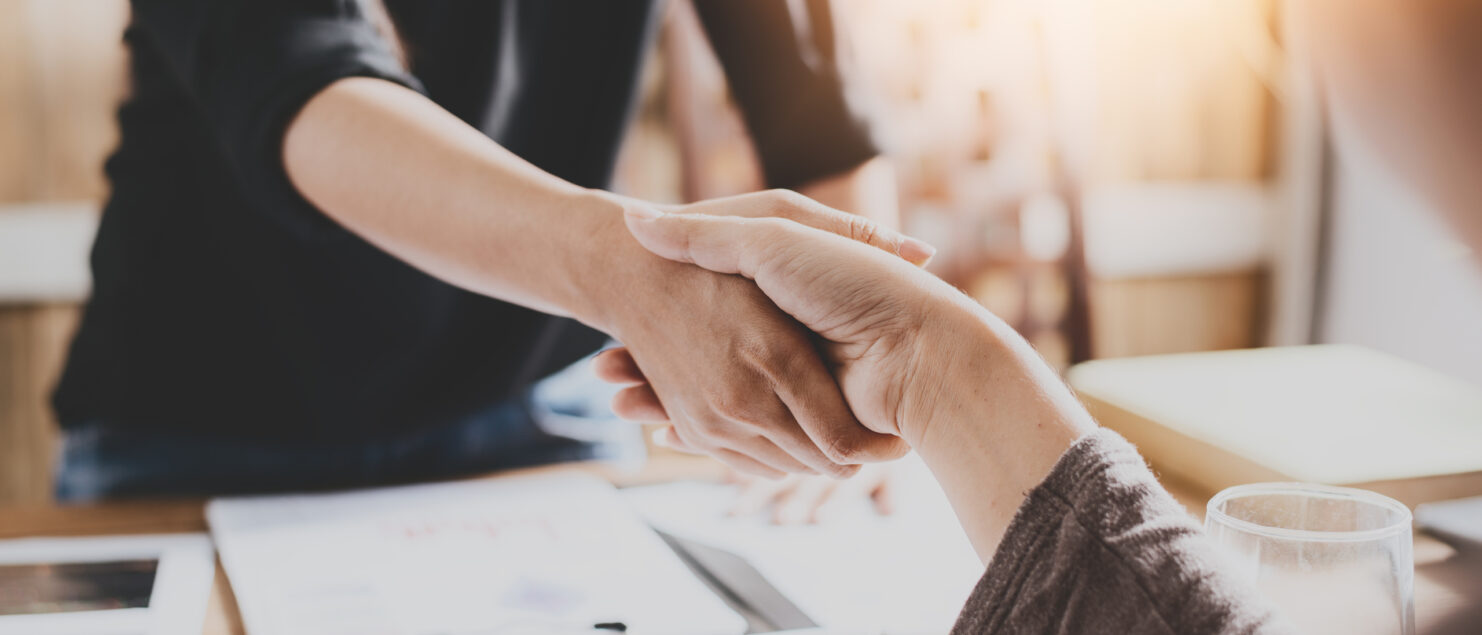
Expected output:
(1181, 90)
(1183, 94)
(33, 341)
(20, 105)
(1152, 316)
(62, 72)
(81, 61)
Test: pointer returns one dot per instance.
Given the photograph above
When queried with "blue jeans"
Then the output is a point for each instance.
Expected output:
(564, 418)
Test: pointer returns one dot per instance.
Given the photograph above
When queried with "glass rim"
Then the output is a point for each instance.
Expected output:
(1401, 523)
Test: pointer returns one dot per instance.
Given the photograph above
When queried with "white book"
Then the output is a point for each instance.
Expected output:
(557, 553)
(1331, 414)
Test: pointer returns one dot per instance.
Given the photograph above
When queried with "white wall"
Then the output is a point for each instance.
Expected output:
(1397, 280)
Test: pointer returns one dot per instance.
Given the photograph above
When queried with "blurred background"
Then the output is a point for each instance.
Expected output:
(1113, 177)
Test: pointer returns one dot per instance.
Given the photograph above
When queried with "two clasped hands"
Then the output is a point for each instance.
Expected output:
(855, 355)
(781, 335)
(860, 356)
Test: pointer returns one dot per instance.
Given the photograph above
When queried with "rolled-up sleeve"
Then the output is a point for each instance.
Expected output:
(250, 65)
(787, 69)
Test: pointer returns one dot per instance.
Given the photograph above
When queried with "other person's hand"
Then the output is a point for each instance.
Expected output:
(738, 378)
(869, 308)
(794, 499)
(913, 356)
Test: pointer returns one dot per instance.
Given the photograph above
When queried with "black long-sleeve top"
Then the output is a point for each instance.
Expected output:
(225, 303)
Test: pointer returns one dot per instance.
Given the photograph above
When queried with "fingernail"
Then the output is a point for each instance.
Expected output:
(916, 251)
(643, 213)
(661, 437)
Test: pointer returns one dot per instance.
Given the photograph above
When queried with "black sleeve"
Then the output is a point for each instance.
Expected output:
(250, 65)
(786, 72)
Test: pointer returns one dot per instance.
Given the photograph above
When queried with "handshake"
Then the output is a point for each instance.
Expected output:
(822, 346)
(843, 351)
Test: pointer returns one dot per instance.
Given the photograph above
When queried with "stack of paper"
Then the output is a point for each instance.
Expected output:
(540, 554)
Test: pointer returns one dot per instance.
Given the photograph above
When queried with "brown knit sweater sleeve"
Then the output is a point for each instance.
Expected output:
(1101, 547)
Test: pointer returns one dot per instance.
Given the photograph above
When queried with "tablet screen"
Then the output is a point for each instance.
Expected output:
(76, 586)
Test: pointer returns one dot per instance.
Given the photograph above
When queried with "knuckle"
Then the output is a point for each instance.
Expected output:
(775, 358)
(710, 429)
(739, 407)
(862, 230)
(785, 364)
(696, 433)
(784, 195)
(787, 203)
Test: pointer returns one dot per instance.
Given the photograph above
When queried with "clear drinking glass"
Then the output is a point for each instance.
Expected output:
(1335, 559)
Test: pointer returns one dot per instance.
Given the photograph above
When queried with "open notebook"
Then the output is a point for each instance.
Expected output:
(558, 553)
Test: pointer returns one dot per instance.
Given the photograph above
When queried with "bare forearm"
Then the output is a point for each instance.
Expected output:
(1000, 419)
(409, 177)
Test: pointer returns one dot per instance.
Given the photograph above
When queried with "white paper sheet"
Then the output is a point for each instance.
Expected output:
(184, 566)
(538, 554)
(858, 572)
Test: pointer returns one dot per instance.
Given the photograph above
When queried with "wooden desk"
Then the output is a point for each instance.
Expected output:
(1448, 584)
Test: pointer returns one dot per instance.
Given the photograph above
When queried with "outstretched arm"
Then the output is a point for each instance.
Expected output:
(411, 178)
(308, 100)
(1078, 534)
(915, 357)
(407, 176)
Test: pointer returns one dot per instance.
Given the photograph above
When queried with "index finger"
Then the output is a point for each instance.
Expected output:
(813, 396)
(790, 205)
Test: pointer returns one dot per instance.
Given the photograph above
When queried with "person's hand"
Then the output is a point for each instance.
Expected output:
(794, 499)
(867, 307)
(804, 499)
(737, 377)
(913, 356)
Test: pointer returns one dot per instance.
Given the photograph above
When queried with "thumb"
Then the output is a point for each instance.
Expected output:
(821, 279)
(723, 244)
(800, 268)
(806, 211)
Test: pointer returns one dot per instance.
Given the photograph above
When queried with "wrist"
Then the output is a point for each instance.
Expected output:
(953, 359)
(597, 249)
(613, 273)
(979, 381)
(997, 424)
